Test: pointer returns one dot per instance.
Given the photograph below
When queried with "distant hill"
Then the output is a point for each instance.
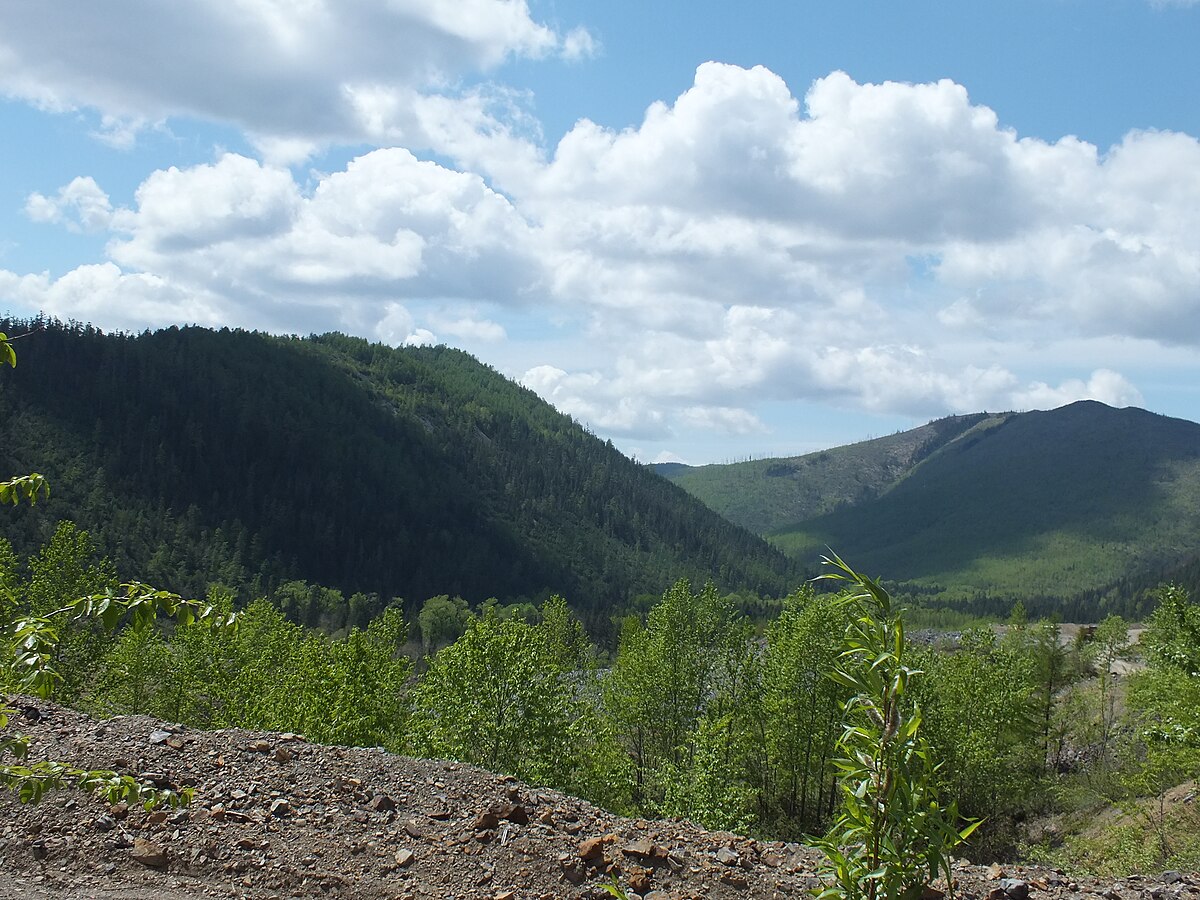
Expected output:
(766, 494)
(1040, 504)
(196, 455)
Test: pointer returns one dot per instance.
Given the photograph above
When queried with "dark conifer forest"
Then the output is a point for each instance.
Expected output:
(195, 456)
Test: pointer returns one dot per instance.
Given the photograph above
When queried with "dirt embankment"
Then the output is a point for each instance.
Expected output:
(275, 816)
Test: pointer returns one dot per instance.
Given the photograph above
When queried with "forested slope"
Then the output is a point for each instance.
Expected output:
(194, 455)
(1070, 510)
(1045, 503)
(767, 494)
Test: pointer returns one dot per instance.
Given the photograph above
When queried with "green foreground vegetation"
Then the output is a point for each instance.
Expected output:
(695, 714)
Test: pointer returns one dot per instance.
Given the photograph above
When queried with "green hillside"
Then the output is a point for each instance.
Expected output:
(1082, 501)
(767, 494)
(195, 455)
(1047, 503)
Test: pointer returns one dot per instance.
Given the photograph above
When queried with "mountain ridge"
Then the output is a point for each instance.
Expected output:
(858, 471)
(1025, 504)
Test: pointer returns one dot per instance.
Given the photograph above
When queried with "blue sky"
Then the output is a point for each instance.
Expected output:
(708, 230)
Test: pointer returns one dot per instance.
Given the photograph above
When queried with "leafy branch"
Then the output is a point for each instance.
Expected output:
(31, 782)
(35, 638)
(34, 642)
(892, 836)
(27, 487)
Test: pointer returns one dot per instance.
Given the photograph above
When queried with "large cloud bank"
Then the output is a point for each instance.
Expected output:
(886, 246)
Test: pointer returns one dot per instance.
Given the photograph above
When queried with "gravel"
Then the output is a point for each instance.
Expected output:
(276, 816)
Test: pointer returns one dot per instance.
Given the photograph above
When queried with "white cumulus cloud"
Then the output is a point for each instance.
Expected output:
(282, 70)
(743, 243)
(469, 328)
(1103, 385)
(387, 230)
(82, 205)
(104, 295)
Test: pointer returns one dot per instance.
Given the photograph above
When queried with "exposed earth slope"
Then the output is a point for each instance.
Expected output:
(276, 816)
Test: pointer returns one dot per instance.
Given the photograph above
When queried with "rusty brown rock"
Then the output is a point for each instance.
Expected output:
(639, 882)
(592, 849)
(382, 803)
(149, 854)
(486, 820)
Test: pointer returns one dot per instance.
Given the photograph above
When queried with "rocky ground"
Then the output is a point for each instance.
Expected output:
(275, 816)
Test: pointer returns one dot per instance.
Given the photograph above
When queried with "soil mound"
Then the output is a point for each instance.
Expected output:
(276, 816)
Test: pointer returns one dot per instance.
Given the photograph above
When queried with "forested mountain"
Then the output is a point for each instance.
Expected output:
(1083, 501)
(194, 455)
